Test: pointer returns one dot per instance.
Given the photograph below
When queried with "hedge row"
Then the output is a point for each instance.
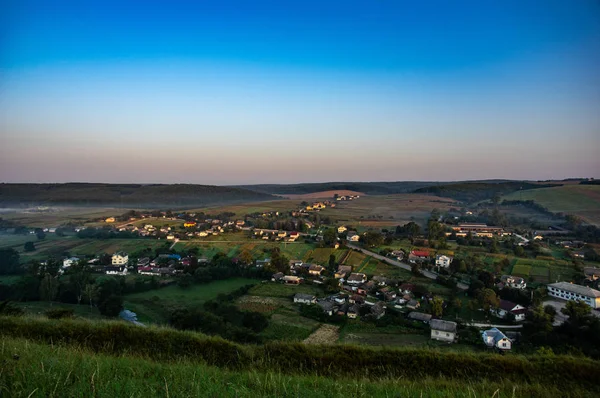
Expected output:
(339, 360)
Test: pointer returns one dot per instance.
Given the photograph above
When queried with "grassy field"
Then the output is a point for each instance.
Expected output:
(55, 216)
(580, 200)
(40, 307)
(62, 371)
(269, 289)
(155, 305)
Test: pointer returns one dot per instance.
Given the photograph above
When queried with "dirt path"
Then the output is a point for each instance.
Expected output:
(326, 334)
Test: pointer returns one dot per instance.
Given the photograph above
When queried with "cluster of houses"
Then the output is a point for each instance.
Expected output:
(276, 235)
(477, 230)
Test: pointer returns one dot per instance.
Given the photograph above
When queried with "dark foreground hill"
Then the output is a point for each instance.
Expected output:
(83, 358)
(130, 195)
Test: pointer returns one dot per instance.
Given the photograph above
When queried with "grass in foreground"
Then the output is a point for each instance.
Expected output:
(59, 371)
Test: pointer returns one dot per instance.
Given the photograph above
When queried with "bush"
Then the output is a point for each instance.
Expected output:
(60, 313)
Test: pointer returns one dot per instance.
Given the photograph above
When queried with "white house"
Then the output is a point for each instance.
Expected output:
(495, 338)
(121, 270)
(443, 261)
(304, 298)
(67, 262)
(443, 330)
(570, 291)
(508, 307)
(356, 279)
(352, 236)
(513, 281)
(120, 258)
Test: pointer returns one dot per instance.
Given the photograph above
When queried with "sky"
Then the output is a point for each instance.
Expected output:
(242, 92)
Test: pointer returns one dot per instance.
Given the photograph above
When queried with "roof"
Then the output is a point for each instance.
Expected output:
(407, 286)
(315, 267)
(573, 288)
(356, 277)
(420, 253)
(304, 296)
(345, 268)
(507, 305)
(445, 326)
(495, 334)
(326, 305)
(591, 271)
(419, 316)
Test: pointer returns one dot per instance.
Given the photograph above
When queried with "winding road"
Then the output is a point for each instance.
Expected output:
(425, 273)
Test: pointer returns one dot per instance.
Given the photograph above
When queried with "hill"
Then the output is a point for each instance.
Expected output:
(369, 188)
(580, 200)
(475, 191)
(117, 359)
(130, 195)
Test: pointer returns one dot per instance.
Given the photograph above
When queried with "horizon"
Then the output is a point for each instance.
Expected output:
(270, 93)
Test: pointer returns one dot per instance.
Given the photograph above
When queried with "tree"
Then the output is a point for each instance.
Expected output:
(48, 288)
(437, 306)
(29, 247)
(457, 305)
(9, 262)
(372, 238)
(577, 311)
(90, 293)
(185, 281)
(79, 277)
(332, 262)
(246, 257)
(111, 306)
(435, 230)
(519, 251)
(487, 299)
(329, 237)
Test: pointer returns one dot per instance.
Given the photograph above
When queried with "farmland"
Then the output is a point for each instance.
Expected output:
(580, 200)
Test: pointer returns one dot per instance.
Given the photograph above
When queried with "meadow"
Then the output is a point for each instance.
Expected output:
(64, 371)
(580, 200)
(82, 358)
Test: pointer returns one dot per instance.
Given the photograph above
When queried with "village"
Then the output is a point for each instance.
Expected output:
(433, 278)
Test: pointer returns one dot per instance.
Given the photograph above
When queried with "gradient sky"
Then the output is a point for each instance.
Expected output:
(298, 91)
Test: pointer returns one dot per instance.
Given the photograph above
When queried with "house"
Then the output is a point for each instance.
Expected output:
(480, 230)
(353, 311)
(189, 224)
(443, 330)
(419, 316)
(315, 270)
(342, 271)
(356, 279)
(291, 280)
(67, 262)
(110, 219)
(148, 270)
(356, 299)
(397, 254)
(327, 307)
(406, 288)
(571, 291)
(413, 304)
(496, 339)
(304, 298)
(263, 263)
(591, 273)
(380, 280)
(508, 307)
(514, 282)
(120, 258)
(281, 234)
(443, 261)
(143, 262)
(341, 229)
(277, 277)
(120, 270)
(418, 256)
(293, 236)
(352, 236)
(170, 237)
(378, 310)
(579, 254)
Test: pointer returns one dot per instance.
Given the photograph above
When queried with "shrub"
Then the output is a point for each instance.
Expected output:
(60, 313)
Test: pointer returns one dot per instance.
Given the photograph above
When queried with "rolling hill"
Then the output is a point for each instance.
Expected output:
(131, 195)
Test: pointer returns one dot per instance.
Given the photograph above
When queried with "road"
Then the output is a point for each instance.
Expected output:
(425, 273)
(487, 325)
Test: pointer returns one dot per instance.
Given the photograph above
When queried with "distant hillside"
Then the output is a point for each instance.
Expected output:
(470, 192)
(139, 195)
(369, 188)
(580, 200)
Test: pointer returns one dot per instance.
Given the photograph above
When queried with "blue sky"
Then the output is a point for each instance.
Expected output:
(271, 91)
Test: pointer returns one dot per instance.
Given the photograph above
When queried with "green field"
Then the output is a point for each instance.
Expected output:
(40, 307)
(271, 289)
(155, 305)
(580, 200)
